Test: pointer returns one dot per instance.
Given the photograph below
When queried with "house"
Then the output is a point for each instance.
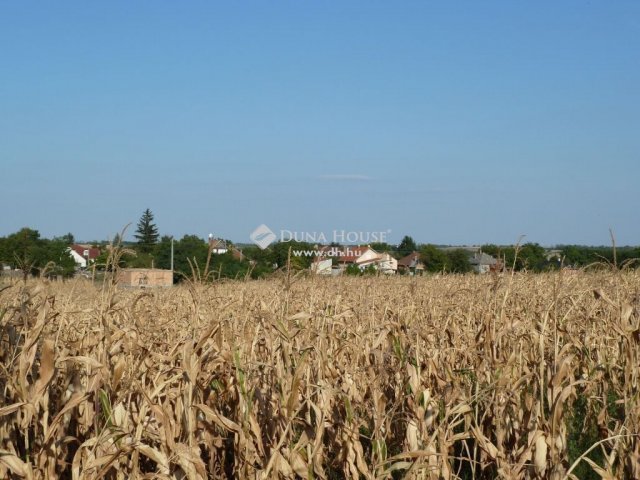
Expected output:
(387, 264)
(480, 261)
(361, 256)
(411, 264)
(217, 245)
(322, 266)
(237, 254)
(350, 255)
(368, 257)
(84, 255)
(483, 263)
(145, 278)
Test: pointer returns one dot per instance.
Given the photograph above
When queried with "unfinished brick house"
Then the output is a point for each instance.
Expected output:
(145, 278)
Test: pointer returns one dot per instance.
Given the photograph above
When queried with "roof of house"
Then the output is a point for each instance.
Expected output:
(410, 261)
(217, 243)
(81, 249)
(482, 258)
(346, 254)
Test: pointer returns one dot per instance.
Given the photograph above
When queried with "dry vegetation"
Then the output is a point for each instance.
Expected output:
(435, 377)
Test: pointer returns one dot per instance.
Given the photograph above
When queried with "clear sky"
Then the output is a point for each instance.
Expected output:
(454, 122)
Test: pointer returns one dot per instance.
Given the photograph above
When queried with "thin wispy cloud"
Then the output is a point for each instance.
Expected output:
(347, 177)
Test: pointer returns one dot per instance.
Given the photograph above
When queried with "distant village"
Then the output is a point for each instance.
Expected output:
(328, 260)
(151, 263)
(333, 260)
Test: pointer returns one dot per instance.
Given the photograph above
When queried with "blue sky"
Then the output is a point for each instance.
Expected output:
(454, 122)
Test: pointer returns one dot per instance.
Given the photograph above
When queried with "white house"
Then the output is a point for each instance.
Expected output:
(322, 266)
(361, 256)
(482, 263)
(367, 257)
(217, 245)
(83, 255)
(387, 264)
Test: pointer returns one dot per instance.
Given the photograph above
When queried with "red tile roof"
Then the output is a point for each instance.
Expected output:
(81, 249)
(410, 261)
(346, 254)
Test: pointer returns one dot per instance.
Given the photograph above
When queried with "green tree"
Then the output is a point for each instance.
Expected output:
(434, 259)
(146, 232)
(280, 254)
(21, 250)
(276, 257)
(68, 239)
(227, 266)
(55, 254)
(628, 256)
(138, 260)
(458, 261)
(33, 255)
(491, 249)
(531, 256)
(192, 252)
(382, 247)
(581, 256)
(406, 246)
(162, 252)
(189, 252)
(370, 270)
(260, 261)
(352, 269)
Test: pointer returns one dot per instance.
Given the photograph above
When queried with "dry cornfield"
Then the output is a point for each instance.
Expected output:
(520, 377)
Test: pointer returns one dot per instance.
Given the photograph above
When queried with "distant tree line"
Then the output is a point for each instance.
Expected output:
(192, 257)
(27, 251)
(533, 257)
(581, 256)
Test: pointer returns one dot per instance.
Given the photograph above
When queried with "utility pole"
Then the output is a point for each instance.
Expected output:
(172, 254)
